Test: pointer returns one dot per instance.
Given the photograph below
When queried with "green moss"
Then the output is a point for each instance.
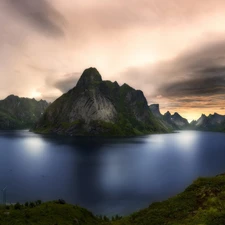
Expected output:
(66, 125)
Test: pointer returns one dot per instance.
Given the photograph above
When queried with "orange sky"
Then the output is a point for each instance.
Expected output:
(174, 51)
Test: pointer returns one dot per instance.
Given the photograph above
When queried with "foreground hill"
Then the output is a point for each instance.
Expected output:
(175, 121)
(97, 107)
(20, 113)
(202, 203)
(215, 122)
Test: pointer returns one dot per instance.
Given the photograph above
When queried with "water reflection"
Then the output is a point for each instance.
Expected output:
(107, 175)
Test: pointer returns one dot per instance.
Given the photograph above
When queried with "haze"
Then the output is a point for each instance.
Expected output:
(174, 51)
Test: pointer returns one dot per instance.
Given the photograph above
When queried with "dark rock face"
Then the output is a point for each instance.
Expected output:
(20, 113)
(97, 107)
(174, 122)
(179, 120)
(155, 110)
(213, 122)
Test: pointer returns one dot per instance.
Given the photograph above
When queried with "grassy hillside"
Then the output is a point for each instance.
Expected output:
(202, 203)
(20, 113)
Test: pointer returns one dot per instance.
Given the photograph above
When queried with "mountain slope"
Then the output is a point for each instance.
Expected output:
(174, 122)
(155, 110)
(213, 122)
(20, 113)
(97, 107)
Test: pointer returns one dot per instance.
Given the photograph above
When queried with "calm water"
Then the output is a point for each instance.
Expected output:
(107, 176)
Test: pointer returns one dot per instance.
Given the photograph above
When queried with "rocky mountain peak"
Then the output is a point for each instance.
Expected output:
(155, 110)
(97, 107)
(176, 114)
(89, 77)
(167, 113)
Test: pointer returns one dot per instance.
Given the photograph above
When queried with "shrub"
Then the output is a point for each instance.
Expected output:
(32, 205)
(17, 206)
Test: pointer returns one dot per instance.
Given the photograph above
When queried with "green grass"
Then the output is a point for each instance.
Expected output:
(50, 213)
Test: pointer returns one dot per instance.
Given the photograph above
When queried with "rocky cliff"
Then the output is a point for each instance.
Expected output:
(97, 107)
(213, 122)
(20, 113)
(174, 122)
(155, 110)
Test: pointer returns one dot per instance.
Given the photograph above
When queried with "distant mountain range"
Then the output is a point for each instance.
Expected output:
(213, 122)
(96, 107)
(174, 121)
(20, 113)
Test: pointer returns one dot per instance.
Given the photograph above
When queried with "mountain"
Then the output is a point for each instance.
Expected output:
(155, 110)
(213, 122)
(97, 107)
(179, 121)
(174, 122)
(20, 113)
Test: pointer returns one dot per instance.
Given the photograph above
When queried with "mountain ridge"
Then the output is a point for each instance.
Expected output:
(175, 121)
(96, 107)
(20, 113)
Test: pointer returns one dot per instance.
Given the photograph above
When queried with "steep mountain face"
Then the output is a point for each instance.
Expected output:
(179, 120)
(155, 110)
(97, 107)
(174, 122)
(213, 122)
(20, 113)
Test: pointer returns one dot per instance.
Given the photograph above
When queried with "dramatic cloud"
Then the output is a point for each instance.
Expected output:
(198, 73)
(40, 14)
(195, 79)
(172, 50)
(67, 82)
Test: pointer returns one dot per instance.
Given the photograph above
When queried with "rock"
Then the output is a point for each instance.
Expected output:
(97, 107)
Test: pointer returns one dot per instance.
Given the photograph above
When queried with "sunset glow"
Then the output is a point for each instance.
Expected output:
(173, 49)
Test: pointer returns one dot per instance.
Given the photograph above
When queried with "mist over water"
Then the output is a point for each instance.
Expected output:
(106, 175)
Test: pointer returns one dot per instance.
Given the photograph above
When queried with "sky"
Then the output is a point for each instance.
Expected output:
(174, 51)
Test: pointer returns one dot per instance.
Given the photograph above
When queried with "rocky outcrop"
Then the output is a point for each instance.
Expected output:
(213, 122)
(20, 113)
(97, 107)
(179, 121)
(174, 122)
(155, 110)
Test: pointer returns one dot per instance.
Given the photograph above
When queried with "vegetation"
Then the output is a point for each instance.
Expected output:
(20, 113)
(202, 203)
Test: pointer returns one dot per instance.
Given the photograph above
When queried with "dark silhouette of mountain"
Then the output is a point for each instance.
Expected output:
(213, 122)
(174, 121)
(97, 107)
(155, 110)
(20, 113)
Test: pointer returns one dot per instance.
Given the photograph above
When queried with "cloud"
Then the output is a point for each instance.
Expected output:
(67, 82)
(40, 14)
(200, 86)
(196, 73)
